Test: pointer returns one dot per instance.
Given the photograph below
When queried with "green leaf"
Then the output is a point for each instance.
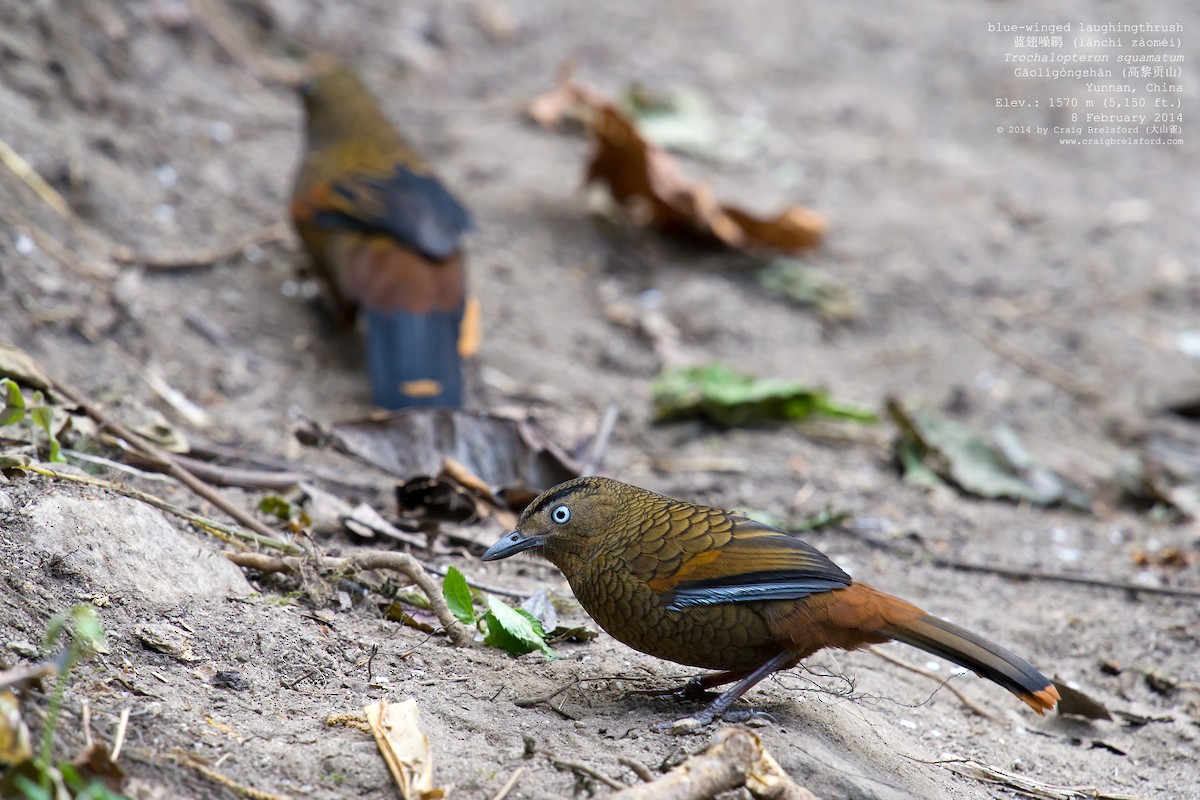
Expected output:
(458, 596)
(88, 630)
(931, 449)
(396, 613)
(31, 790)
(415, 598)
(913, 468)
(54, 630)
(810, 288)
(513, 631)
(14, 403)
(716, 393)
(534, 621)
(43, 417)
(276, 506)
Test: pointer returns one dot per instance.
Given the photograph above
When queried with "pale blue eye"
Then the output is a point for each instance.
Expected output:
(560, 515)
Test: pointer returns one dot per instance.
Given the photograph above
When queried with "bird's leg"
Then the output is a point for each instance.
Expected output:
(697, 688)
(718, 707)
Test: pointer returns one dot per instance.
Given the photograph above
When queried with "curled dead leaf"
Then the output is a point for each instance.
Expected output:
(405, 748)
(648, 183)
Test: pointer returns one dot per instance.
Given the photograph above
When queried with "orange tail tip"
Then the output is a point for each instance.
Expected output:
(1041, 701)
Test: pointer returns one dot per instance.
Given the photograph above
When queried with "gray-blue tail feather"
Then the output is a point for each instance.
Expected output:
(413, 358)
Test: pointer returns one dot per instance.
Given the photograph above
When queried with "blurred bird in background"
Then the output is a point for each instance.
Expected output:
(384, 236)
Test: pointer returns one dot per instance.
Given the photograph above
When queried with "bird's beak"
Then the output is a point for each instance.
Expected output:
(511, 544)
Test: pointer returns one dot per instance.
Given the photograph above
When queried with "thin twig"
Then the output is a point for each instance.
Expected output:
(639, 769)
(119, 466)
(576, 766)
(1022, 784)
(57, 250)
(20, 677)
(221, 475)
(944, 680)
(474, 584)
(600, 441)
(85, 713)
(25, 171)
(367, 560)
(1022, 574)
(174, 468)
(526, 702)
(163, 505)
(509, 784)
(208, 257)
(209, 452)
(119, 738)
(239, 789)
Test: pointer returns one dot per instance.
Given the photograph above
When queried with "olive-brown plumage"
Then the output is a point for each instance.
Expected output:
(704, 587)
(383, 235)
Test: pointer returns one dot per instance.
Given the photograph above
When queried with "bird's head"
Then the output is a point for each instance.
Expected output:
(326, 78)
(569, 521)
(336, 101)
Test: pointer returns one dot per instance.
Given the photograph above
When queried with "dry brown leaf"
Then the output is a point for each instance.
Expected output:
(405, 748)
(500, 450)
(95, 763)
(795, 228)
(15, 363)
(453, 466)
(568, 103)
(1073, 701)
(14, 735)
(1169, 557)
(647, 182)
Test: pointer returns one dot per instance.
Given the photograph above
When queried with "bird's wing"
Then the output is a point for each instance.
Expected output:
(752, 562)
(414, 209)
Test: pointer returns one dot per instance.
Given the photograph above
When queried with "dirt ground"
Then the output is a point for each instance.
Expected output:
(880, 115)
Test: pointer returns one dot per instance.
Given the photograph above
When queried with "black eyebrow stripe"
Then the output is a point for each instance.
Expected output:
(553, 497)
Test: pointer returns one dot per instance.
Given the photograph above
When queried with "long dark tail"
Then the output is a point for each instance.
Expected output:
(413, 358)
(986, 659)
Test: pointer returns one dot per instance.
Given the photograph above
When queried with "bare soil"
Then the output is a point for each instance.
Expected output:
(880, 115)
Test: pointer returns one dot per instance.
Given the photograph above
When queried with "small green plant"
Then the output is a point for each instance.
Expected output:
(36, 410)
(513, 630)
(76, 786)
(280, 507)
(42, 778)
(86, 638)
(288, 599)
